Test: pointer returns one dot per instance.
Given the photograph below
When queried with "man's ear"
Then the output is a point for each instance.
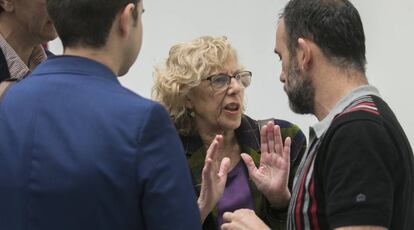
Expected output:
(7, 5)
(126, 19)
(304, 54)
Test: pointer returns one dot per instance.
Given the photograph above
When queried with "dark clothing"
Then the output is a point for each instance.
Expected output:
(4, 69)
(248, 137)
(360, 171)
(79, 151)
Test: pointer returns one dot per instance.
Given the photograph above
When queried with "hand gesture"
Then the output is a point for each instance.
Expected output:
(242, 219)
(213, 178)
(271, 178)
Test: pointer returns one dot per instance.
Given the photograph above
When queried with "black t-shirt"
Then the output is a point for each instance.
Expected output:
(362, 174)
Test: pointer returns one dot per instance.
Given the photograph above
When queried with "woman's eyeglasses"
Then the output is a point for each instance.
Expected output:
(221, 81)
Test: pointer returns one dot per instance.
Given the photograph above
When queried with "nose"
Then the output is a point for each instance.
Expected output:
(235, 86)
(282, 77)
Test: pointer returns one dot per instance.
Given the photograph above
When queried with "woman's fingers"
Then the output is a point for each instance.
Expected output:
(214, 147)
(224, 167)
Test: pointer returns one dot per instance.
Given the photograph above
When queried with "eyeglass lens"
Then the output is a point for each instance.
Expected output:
(222, 80)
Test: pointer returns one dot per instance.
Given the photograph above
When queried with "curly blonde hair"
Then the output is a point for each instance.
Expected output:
(187, 64)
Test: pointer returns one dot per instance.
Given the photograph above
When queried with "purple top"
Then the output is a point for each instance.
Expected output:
(236, 194)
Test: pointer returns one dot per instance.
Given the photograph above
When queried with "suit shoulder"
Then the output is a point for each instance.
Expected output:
(137, 100)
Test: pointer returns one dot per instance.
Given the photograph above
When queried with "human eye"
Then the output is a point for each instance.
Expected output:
(278, 55)
(220, 79)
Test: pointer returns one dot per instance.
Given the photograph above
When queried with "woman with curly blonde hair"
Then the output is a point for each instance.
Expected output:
(202, 86)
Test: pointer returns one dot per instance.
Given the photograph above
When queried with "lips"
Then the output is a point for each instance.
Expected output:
(232, 107)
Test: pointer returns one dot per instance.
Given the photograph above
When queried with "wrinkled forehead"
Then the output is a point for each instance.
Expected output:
(231, 66)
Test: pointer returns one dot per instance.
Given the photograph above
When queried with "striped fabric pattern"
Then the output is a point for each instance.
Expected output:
(303, 208)
(303, 205)
(365, 103)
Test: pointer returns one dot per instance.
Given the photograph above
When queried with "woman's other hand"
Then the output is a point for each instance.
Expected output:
(213, 179)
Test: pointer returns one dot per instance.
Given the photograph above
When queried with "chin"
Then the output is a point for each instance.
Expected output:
(232, 125)
(49, 33)
(122, 72)
(47, 37)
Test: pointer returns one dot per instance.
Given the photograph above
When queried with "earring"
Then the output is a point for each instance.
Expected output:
(190, 112)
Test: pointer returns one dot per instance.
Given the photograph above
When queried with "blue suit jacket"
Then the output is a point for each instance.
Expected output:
(79, 151)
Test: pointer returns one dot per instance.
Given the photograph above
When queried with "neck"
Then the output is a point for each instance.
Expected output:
(229, 138)
(101, 55)
(229, 148)
(21, 43)
(333, 84)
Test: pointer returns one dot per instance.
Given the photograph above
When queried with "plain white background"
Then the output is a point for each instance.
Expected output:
(250, 26)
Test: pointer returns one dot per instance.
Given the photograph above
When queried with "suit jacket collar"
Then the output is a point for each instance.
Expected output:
(75, 65)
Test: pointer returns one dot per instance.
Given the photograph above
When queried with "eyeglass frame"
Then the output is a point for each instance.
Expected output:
(229, 77)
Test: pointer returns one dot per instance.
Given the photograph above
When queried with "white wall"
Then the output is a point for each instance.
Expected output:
(250, 26)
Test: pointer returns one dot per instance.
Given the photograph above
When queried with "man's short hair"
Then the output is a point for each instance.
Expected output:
(85, 22)
(334, 25)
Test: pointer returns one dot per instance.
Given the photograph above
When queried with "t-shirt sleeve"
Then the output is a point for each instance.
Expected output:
(168, 199)
(356, 174)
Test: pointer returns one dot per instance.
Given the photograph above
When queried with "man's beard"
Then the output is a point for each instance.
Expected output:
(299, 90)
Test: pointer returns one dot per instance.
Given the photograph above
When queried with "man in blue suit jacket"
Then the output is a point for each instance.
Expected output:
(79, 151)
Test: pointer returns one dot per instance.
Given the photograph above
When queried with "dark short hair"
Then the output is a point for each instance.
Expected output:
(85, 22)
(334, 25)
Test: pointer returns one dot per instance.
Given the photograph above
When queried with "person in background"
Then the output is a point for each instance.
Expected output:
(202, 86)
(24, 26)
(78, 150)
(358, 172)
